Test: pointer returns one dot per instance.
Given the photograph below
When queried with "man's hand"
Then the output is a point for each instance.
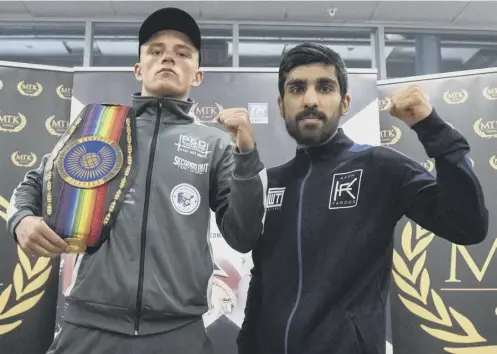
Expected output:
(37, 238)
(411, 105)
(237, 122)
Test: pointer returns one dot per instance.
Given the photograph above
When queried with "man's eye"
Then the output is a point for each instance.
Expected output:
(326, 88)
(156, 52)
(296, 89)
(184, 55)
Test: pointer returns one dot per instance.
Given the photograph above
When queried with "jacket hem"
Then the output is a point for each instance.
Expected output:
(121, 320)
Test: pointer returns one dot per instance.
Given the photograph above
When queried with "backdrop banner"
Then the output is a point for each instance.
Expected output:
(257, 91)
(444, 296)
(34, 111)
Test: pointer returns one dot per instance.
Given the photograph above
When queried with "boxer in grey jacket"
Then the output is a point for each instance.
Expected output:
(146, 286)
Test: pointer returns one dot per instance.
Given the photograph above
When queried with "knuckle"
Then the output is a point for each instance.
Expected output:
(30, 238)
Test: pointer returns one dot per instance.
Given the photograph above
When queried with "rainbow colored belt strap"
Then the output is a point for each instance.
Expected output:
(87, 165)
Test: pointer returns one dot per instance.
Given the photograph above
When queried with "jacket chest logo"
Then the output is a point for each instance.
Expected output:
(274, 199)
(193, 146)
(185, 198)
(345, 190)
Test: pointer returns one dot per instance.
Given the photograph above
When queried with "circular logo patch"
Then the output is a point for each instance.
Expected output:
(185, 199)
(90, 162)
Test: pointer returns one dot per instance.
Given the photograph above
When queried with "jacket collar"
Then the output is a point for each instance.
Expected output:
(172, 111)
(339, 143)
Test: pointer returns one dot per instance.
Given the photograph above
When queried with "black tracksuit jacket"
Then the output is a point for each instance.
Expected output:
(322, 265)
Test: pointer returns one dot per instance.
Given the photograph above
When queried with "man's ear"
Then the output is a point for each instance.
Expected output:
(197, 80)
(345, 104)
(281, 106)
(138, 72)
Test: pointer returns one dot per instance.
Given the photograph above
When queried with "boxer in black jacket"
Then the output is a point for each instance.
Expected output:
(322, 265)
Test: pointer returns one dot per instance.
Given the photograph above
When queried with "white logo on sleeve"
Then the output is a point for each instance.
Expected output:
(275, 198)
(345, 189)
(185, 199)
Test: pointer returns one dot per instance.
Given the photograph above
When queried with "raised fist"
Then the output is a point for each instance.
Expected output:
(37, 238)
(237, 122)
(411, 105)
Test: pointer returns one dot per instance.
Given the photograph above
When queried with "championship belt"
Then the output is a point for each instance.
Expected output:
(88, 175)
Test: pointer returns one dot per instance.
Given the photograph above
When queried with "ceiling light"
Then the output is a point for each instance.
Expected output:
(332, 11)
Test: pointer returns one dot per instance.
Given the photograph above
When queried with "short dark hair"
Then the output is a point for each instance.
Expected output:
(312, 53)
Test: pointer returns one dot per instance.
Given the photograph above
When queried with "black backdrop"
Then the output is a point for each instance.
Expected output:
(34, 111)
(443, 296)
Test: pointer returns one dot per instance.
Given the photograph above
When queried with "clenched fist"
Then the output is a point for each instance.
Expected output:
(411, 105)
(237, 122)
(37, 238)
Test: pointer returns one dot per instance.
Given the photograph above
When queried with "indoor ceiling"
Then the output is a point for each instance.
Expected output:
(456, 14)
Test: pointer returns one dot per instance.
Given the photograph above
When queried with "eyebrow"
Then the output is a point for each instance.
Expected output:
(321, 80)
(176, 46)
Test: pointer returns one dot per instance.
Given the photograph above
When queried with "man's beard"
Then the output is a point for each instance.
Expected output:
(311, 135)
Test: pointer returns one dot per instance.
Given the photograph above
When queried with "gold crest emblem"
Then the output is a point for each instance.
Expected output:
(56, 127)
(490, 93)
(23, 160)
(64, 92)
(90, 162)
(455, 97)
(12, 124)
(485, 130)
(385, 104)
(206, 114)
(31, 90)
(493, 163)
(390, 136)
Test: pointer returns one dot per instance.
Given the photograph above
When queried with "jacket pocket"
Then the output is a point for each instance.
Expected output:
(361, 346)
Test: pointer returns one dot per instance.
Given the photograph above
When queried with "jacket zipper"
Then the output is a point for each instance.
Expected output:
(148, 182)
(299, 254)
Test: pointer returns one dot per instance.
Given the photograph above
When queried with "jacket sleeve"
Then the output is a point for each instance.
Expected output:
(26, 199)
(238, 198)
(246, 339)
(451, 205)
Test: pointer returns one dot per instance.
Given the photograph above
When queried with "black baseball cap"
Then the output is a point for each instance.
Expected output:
(170, 18)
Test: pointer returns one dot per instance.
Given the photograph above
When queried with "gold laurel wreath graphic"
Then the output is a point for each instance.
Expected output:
(27, 280)
(488, 93)
(480, 132)
(493, 161)
(18, 128)
(30, 94)
(396, 139)
(414, 283)
(447, 99)
(30, 164)
(48, 126)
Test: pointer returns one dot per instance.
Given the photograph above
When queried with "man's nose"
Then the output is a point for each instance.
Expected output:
(310, 98)
(167, 57)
